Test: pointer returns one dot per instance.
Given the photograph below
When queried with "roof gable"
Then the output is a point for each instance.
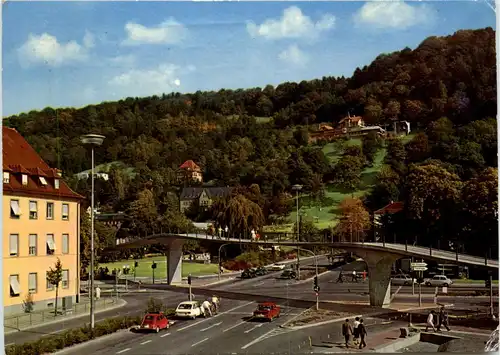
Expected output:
(190, 165)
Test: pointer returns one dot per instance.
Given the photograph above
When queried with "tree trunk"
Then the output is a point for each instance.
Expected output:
(55, 308)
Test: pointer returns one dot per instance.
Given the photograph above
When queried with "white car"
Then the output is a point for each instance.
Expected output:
(188, 309)
(277, 267)
(438, 281)
(402, 280)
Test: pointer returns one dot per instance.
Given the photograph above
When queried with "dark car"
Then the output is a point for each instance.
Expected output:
(288, 274)
(248, 274)
(260, 271)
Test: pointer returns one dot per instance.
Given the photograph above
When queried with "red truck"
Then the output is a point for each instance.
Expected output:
(267, 311)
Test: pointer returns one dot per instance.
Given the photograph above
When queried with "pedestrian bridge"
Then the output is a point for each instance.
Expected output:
(379, 256)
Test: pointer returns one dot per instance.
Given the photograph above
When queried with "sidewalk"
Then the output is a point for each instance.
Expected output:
(15, 323)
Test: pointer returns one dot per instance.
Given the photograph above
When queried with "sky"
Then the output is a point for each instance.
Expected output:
(61, 54)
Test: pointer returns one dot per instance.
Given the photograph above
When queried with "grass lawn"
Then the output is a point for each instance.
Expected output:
(144, 268)
(468, 281)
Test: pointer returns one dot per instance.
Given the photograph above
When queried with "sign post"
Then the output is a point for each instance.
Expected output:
(153, 266)
(420, 267)
(189, 283)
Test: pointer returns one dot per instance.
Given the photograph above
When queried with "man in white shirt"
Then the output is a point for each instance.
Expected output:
(430, 321)
(206, 308)
(355, 332)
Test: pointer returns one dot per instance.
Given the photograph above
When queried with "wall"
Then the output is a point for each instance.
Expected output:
(23, 264)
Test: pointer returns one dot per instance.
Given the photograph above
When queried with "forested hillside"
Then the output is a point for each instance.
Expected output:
(446, 89)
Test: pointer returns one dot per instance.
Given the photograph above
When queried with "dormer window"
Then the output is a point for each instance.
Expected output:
(56, 183)
(6, 177)
(43, 181)
(24, 178)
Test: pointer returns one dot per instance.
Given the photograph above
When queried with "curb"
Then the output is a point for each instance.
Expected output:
(311, 278)
(121, 303)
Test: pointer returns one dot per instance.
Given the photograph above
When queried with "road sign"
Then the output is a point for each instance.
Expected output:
(419, 268)
(316, 289)
(414, 265)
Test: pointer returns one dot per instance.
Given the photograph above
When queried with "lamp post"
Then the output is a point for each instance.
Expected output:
(220, 248)
(94, 140)
(316, 267)
(297, 188)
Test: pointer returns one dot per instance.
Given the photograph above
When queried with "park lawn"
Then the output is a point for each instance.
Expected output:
(144, 268)
(468, 281)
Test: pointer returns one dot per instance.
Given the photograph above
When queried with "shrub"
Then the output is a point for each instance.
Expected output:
(155, 305)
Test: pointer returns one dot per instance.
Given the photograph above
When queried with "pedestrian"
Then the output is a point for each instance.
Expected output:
(355, 333)
(443, 320)
(346, 332)
(430, 321)
(354, 279)
(362, 334)
(364, 275)
(340, 278)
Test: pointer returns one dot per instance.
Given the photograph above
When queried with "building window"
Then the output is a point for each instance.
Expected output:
(32, 282)
(33, 210)
(65, 278)
(50, 210)
(49, 286)
(6, 177)
(24, 179)
(65, 211)
(65, 243)
(56, 183)
(33, 244)
(14, 245)
(43, 181)
(15, 210)
(15, 288)
(51, 247)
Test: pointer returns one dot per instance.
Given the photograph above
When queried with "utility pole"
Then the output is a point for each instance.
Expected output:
(491, 296)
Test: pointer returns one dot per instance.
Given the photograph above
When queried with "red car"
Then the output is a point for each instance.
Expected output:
(155, 321)
(267, 311)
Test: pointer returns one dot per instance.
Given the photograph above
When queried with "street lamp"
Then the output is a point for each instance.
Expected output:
(316, 267)
(220, 248)
(297, 188)
(94, 140)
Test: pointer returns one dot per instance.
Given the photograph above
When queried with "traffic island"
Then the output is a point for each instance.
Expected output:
(312, 316)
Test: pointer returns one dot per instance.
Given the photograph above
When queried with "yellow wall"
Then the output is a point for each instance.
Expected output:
(23, 264)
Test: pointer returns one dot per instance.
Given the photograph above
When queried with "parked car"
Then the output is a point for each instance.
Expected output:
(277, 267)
(188, 309)
(288, 274)
(154, 321)
(260, 271)
(402, 280)
(267, 311)
(439, 281)
(248, 274)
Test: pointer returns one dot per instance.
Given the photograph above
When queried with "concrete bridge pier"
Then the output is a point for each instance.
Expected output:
(174, 261)
(379, 276)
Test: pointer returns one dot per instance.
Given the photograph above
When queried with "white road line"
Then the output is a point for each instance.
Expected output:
(122, 351)
(10, 344)
(164, 335)
(255, 327)
(217, 315)
(201, 341)
(234, 326)
(257, 340)
(213, 325)
(145, 342)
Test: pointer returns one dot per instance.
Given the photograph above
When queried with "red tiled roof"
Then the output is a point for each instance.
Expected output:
(20, 158)
(190, 165)
(391, 208)
(352, 119)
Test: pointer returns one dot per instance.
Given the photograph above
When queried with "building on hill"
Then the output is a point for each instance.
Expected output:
(390, 209)
(203, 196)
(189, 172)
(41, 221)
(351, 122)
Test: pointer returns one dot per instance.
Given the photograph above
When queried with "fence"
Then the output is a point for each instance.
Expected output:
(26, 320)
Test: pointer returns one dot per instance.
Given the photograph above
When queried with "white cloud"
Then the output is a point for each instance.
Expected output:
(168, 32)
(293, 55)
(46, 49)
(88, 40)
(292, 24)
(143, 82)
(394, 14)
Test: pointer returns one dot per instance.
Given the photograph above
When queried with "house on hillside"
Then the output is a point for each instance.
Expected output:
(204, 196)
(189, 171)
(390, 209)
(351, 122)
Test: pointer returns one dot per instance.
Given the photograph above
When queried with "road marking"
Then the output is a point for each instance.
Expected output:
(234, 326)
(10, 344)
(218, 314)
(201, 341)
(145, 342)
(260, 283)
(213, 325)
(122, 351)
(255, 327)
(164, 335)
(258, 339)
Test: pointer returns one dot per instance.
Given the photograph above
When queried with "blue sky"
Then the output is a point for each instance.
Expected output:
(63, 54)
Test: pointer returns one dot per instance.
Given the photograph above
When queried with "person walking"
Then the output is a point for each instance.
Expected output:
(443, 320)
(430, 321)
(346, 332)
(362, 334)
(355, 333)
(340, 278)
